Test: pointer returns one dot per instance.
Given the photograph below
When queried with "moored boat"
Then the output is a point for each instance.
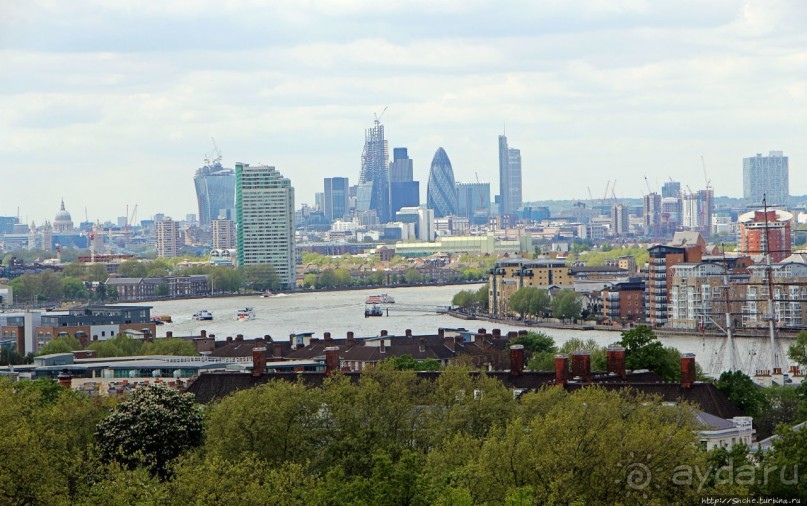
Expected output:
(373, 310)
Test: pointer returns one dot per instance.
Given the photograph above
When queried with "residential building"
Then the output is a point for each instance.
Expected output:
(168, 239)
(764, 232)
(651, 213)
(336, 198)
(223, 234)
(766, 177)
(265, 212)
(623, 302)
(718, 432)
(696, 211)
(374, 188)
(789, 282)
(92, 323)
(511, 274)
(215, 191)
(697, 294)
(441, 194)
(619, 221)
(473, 202)
(671, 189)
(660, 273)
(134, 289)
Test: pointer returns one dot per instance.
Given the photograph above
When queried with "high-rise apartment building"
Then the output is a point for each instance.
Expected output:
(762, 233)
(441, 193)
(473, 202)
(223, 234)
(671, 189)
(686, 247)
(215, 191)
(509, 178)
(264, 205)
(168, 241)
(374, 189)
(336, 199)
(651, 213)
(620, 223)
(696, 211)
(766, 176)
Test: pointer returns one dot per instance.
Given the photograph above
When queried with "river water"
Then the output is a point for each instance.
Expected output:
(415, 309)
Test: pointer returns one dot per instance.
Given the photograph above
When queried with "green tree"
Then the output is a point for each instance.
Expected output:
(261, 277)
(598, 355)
(413, 277)
(153, 426)
(225, 279)
(787, 460)
(132, 269)
(169, 346)
(780, 404)
(798, 350)
(407, 363)
(73, 289)
(162, 290)
(536, 342)
(465, 299)
(63, 344)
(96, 273)
(74, 270)
(566, 305)
(121, 345)
(643, 350)
(741, 391)
(310, 280)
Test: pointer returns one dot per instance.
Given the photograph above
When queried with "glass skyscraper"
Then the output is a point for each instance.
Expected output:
(336, 200)
(441, 192)
(215, 191)
(509, 178)
(264, 204)
(766, 175)
(374, 177)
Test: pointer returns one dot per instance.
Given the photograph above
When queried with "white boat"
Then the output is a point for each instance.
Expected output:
(380, 299)
(246, 314)
(203, 315)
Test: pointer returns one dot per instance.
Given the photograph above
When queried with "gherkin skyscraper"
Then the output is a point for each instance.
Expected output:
(441, 194)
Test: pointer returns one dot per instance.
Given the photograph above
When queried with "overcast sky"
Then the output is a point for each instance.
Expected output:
(108, 103)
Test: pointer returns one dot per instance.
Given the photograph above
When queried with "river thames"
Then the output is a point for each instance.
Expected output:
(415, 308)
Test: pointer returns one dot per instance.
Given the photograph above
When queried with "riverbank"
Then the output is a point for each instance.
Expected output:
(589, 326)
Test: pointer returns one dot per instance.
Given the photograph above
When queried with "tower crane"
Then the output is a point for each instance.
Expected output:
(649, 191)
(379, 116)
(590, 195)
(605, 195)
(705, 177)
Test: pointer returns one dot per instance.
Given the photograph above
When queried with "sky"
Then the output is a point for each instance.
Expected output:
(109, 104)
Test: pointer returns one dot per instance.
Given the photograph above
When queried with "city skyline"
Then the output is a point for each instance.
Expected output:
(589, 91)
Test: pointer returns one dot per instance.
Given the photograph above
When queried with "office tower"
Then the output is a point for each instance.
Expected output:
(264, 207)
(651, 213)
(670, 189)
(441, 193)
(167, 238)
(401, 166)
(473, 202)
(373, 192)
(768, 176)
(755, 242)
(422, 217)
(619, 220)
(509, 178)
(336, 200)
(404, 194)
(223, 234)
(215, 190)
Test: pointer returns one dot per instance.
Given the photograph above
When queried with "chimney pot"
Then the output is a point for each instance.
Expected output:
(331, 360)
(441, 332)
(561, 369)
(616, 361)
(482, 331)
(581, 365)
(516, 360)
(408, 332)
(267, 338)
(326, 336)
(239, 337)
(202, 333)
(687, 370)
(383, 332)
(229, 339)
(497, 332)
(350, 337)
(258, 361)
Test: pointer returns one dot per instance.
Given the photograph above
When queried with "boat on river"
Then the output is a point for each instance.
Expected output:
(380, 299)
(203, 315)
(246, 313)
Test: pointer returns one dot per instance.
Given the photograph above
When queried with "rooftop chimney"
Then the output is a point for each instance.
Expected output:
(408, 332)
(482, 331)
(267, 338)
(326, 336)
(616, 361)
(202, 333)
(497, 332)
(516, 360)
(561, 369)
(350, 340)
(581, 365)
(229, 339)
(258, 361)
(448, 342)
(65, 380)
(384, 333)
(331, 359)
(239, 337)
(687, 370)
(441, 332)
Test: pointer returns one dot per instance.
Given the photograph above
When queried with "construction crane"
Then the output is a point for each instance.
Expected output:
(379, 116)
(605, 195)
(590, 195)
(649, 191)
(613, 191)
(130, 218)
(215, 156)
(705, 177)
